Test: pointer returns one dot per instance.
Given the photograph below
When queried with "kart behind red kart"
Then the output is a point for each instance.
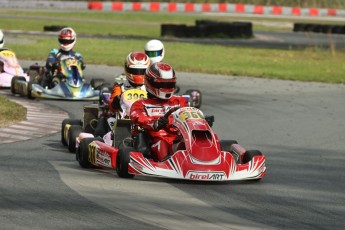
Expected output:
(71, 84)
(98, 120)
(11, 68)
(198, 154)
(72, 130)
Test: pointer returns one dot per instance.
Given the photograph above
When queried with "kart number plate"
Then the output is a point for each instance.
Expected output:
(186, 115)
(71, 62)
(7, 54)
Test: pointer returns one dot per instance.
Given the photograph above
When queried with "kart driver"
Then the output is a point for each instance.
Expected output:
(135, 66)
(2, 43)
(155, 50)
(160, 82)
(4, 53)
(67, 39)
(2, 48)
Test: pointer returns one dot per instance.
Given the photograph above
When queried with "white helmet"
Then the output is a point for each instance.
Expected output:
(67, 39)
(155, 50)
(2, 41)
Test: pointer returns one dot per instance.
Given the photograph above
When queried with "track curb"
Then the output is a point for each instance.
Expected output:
(41, 120)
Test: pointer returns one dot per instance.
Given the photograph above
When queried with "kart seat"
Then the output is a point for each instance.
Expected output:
(142, 144)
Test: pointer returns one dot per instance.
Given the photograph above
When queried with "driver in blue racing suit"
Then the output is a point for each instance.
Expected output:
(67, 40)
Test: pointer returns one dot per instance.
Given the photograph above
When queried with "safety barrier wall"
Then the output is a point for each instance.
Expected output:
(319, 28)
(212, 7)
(209, 29)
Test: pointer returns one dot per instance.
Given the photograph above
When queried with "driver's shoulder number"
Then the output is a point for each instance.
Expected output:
(134, 94)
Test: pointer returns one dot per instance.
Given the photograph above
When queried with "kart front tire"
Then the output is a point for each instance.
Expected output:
(123, 160)
(73, 133)
(83, 153)
(249, 154)
(66, 122)
(13, 82)
(30, 90)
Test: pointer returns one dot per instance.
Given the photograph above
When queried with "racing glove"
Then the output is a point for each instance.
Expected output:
(160, 123)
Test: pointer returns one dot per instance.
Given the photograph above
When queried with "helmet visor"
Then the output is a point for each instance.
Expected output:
(135, 71)
(155, 53)
(163, 85)
(65, 41)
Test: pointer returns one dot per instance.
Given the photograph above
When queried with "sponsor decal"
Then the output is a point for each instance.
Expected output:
(155, 110)
(103, 158)
(137, 166)
(206, 176)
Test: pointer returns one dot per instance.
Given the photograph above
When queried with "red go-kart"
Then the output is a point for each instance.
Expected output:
(198, 153)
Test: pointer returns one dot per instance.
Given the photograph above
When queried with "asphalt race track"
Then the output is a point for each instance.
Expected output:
(299, 126)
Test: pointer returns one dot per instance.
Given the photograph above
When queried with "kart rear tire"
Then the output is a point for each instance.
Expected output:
(66, 122)
(196, 104)
(249, 154)
(82, 154)
(34, 74)
(97, 83)
(73, 133)
(123, 160)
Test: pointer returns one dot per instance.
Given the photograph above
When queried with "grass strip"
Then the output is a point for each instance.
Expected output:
(10, 112)
(303, 65)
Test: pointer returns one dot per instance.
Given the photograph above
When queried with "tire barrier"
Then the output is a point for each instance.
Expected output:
(209, 29)
(54, 28)
(319, 28)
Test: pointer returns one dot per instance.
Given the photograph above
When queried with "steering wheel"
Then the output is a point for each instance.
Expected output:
(173, 109)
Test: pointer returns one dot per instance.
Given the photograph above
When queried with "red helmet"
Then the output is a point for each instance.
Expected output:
(160, 80)
(135, 66)
(67, 39)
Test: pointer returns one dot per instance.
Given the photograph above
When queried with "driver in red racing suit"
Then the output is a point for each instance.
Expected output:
(160, 82)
